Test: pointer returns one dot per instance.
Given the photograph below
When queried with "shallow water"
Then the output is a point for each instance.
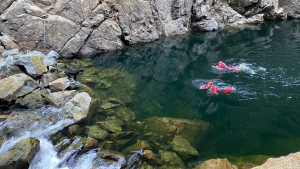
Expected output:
(260, 117)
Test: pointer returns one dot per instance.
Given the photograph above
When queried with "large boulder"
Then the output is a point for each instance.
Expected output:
(20, 155)
(291, 161)
(47, 78)
(78, 107)
(7, 67)
(216, 164)
(107, 37)
(33, 100)
(60, 84)
(16, 86)
(137, 21)
(51, 58)
(33, 63)
(169, 127)
(59, 99)
(183, 147)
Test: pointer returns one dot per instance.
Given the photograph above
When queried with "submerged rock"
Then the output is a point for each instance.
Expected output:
(59, 99)
(73, 148)
(169, 127)
(15, 86)
(90, 143)
(33, 100)
(60, 84)
(142, 145)
(75, 130)
(20, 155)
(96, 132)
(125, 114)
(78, 107)
(112, 125)
(216, 164)
(151, 157)
(172, 160)
(183, 147)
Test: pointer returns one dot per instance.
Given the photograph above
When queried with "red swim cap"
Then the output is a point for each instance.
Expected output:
(210, 83)
(220, 62)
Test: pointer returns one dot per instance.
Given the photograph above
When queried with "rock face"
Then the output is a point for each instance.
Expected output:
(100, 26)
(15, 86)
(285, 162)
(21, 154)
(78, 107)
(8, 43)
(216, 164)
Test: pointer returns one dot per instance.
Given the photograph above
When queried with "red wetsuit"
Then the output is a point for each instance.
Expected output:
(216, 89)
(221, 66)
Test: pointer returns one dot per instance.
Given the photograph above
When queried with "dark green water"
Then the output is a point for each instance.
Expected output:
(261, 117)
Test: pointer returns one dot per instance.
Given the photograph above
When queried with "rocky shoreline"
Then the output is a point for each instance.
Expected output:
(76, 28)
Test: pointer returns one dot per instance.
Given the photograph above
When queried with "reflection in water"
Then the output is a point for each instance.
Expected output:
(263, 109)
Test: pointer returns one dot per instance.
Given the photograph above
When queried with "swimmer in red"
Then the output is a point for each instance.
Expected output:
(221, 65)
(215, 90)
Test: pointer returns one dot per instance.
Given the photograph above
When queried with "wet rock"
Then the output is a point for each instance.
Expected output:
(151, 157)
(105, 38)
(7, 67)
(59, 99)
(51, 58)
(8, 42)
(22, 120)
(47, 78)
(33, 63)
(183, 147)
(75, 130)
(285, 162)
(108, 105)
(62, 145)
(15, 86)
(120, 135)
(21, 154)
(125, 114)
(74, 45)
(216, 164)
(78, 107)
(90, 143)
(74, 84)
(172, 160)
(112, 125)
(96, 132)
(110, 157)
(60, 84)
(33, 100)
(73, 148)
(169, 127)
(255, 19)
(141, 145)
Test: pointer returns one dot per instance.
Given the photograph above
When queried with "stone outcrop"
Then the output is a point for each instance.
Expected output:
(78, 107)
(21, 154)
(15, 86)
(102, 26)
(216, 164)
(285, 162)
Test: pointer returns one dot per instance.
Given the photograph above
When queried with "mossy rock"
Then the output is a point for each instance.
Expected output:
(96, 132)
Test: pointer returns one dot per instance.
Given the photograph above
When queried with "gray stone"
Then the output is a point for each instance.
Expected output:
(8, 42)
(32, 101)
(7, 67)
(78, 107)
(51, 58)
(22, 120)
(74, 84)
(11, 52)
(60, 84)
(59, 99)
(47, 78)
(15, 86)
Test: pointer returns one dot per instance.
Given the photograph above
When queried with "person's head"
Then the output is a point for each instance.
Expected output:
(210, 83)
(220, 62)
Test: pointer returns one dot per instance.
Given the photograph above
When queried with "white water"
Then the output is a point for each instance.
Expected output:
(48, 157)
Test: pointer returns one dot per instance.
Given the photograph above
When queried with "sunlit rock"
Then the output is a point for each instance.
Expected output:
(96, 132)
(284, 162)
(33, 100)
(60, 84)
(15, 86)
(216, 164)
(21, 154)
(47, 78)
(78, 107)
(22, 120)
